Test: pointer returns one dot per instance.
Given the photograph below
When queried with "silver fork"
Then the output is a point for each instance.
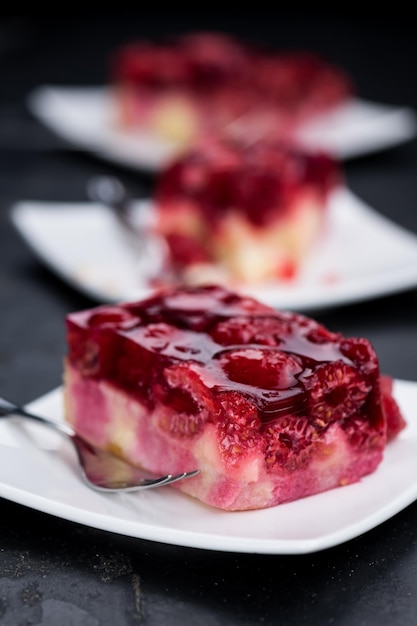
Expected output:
(100, 470)
(151, 250)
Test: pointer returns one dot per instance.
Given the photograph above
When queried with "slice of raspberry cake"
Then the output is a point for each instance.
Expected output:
(204, 82)
(270, 406)
(237, 213)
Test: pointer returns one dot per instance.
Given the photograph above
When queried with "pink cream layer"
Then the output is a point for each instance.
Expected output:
(124, 425)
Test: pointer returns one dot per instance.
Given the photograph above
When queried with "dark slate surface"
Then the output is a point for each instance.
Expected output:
(56, 572)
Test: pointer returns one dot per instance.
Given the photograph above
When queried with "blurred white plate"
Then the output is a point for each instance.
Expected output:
(361, 256)
(84, 117)
(38, 469)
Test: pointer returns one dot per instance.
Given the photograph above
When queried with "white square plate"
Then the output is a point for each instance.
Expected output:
(84, 116)
(38, 469)
(362, 255)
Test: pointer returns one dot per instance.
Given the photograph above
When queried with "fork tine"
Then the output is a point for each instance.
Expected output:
(147, 483)
(174, 478)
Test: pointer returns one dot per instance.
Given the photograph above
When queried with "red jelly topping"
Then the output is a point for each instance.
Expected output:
(215, 63)
(211, 355)
(260, 180)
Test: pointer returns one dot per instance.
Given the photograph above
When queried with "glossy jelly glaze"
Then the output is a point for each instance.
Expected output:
(261, 180)
(235, 386)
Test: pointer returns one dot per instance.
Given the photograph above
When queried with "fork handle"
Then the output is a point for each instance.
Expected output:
(8, 409)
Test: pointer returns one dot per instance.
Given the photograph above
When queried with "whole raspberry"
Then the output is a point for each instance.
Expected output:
(336, 391)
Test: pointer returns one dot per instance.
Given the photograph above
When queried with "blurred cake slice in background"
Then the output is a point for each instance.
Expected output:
(202, 83)
(239, 213)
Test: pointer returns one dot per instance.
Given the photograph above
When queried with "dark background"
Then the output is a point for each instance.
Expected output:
(56, 572)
